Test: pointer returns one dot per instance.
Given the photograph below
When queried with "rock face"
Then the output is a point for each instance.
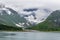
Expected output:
(55, 17)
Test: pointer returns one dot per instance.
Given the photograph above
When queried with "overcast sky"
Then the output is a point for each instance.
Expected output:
(52, 4)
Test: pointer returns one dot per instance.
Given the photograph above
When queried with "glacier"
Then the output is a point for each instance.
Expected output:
(35, 16)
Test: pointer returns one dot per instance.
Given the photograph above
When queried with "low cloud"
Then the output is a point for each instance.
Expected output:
(52, 4)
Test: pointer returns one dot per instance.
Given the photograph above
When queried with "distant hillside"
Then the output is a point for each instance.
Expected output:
(9, 28)
(52, 23)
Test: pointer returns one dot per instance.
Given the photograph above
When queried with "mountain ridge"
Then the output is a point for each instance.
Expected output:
(52, 23)
(10, 17)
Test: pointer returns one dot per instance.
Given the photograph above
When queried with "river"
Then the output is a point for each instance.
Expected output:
(29, 35)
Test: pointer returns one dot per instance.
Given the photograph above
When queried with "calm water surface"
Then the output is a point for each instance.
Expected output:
(29, 35)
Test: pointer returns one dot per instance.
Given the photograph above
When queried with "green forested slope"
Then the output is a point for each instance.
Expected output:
(52, 23)
(9, 28)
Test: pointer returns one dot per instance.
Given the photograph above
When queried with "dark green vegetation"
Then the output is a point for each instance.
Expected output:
(9, 18)
(12, 18)
(9, 28)
(52, 23)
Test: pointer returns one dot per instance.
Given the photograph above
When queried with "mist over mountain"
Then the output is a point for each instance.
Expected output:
(25, 18)
(35, 15)
(10, 17)
(52, 23)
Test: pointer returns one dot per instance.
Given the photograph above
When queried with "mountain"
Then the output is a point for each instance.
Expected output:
(52, 23)
(35, 15)
(26, 18)
(10, 17)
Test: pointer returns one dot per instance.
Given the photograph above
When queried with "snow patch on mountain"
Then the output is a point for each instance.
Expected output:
(36, 16)
(10, 17)
(2, 7)
(20, 24)
(26, 16)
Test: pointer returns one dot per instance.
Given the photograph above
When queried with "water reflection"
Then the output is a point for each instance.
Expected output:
(4, 34)
(29, 36)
